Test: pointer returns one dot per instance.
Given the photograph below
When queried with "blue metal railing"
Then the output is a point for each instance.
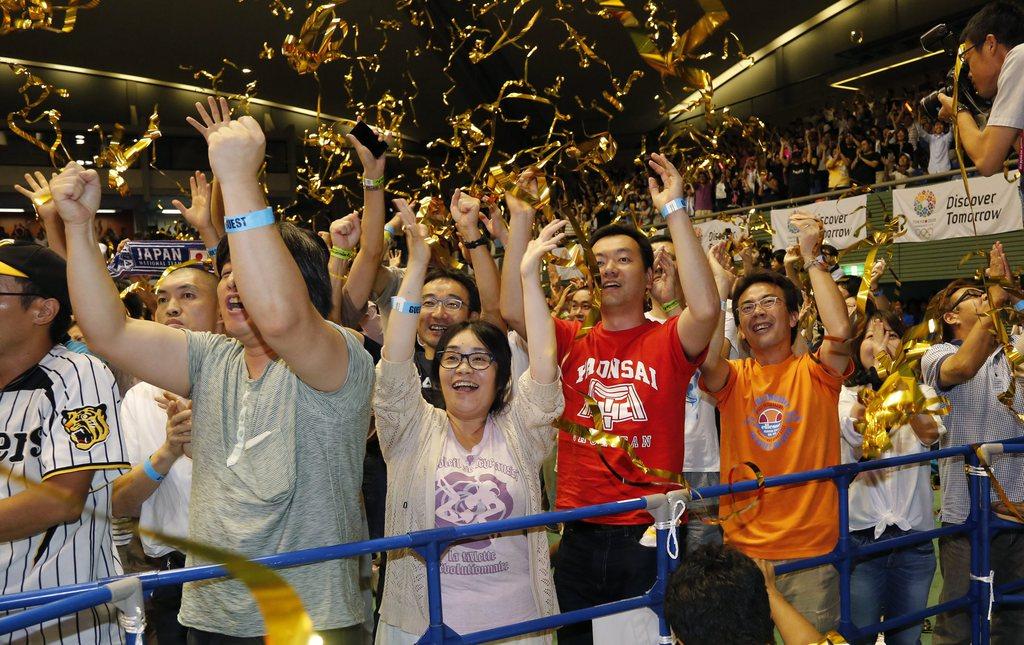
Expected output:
(47, 604)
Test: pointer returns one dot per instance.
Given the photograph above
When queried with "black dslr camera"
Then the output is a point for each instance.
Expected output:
(940, 38)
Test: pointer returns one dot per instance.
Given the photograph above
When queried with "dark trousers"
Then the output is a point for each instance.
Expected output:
(599, 563)
(345, 636)
(1007, 560)
(375, 491)
(164, 605)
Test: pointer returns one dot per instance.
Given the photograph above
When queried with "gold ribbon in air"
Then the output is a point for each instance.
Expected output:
(28, 15)
(319, 40)
(118, 159)
(33, 84)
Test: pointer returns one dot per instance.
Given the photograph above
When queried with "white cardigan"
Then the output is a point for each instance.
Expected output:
(411, 435)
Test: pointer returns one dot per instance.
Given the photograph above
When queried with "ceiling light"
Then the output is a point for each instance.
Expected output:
(12, 210)
(106, 211)
(153, 81)
(171, 211)
(842, 85)
(785, 38)
(246, 70)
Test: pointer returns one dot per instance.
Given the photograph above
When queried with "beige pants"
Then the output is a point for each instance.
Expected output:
(814, 593)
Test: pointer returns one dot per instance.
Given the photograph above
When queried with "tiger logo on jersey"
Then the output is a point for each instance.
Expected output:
(87, 426)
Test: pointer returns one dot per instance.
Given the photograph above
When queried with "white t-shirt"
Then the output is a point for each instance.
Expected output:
(1008, 105)
(700, 432)
(145, 430)
(484, 583)
(891, 496)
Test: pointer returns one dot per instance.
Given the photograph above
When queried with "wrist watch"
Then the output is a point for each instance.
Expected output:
(373, 184)
(480, 241)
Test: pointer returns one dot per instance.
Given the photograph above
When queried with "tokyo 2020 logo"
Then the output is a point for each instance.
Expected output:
(924, 203)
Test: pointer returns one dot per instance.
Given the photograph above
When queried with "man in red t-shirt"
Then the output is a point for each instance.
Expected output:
(637, 371)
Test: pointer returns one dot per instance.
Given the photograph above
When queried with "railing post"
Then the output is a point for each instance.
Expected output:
(431, 553)
(661, 508)
(843, 550)
(981, 575)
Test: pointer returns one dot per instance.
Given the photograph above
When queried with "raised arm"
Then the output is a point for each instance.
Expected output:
(715, 369)
(520, 232)
(697, 322)
(466, 212)
(271, 287)
(835, 351)
(38, 192)
(150, 351)
(543, 349)
(400, 336)
(198, 213)
(343, 236)
(371, 236)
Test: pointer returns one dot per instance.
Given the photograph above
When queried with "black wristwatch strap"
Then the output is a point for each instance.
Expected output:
(480, 241)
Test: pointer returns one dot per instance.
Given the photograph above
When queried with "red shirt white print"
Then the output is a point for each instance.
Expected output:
(638, 377)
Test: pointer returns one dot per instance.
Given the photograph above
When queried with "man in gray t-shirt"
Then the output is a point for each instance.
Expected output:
(277, 466)
(280, 405)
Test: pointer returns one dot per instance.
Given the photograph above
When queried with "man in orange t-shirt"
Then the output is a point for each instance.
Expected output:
(778, 410)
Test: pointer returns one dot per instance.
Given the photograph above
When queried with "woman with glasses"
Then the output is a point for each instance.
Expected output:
(475, 460)
(888, 503)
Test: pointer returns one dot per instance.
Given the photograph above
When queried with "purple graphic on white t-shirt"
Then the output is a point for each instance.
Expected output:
(461, 499)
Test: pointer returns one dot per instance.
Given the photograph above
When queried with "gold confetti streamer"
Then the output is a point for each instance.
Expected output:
(118, 159)
(28, 15)
(319, 40)
(32, 84)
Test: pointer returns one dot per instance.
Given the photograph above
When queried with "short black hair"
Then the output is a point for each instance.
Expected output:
(1004, 20)
(310, 254)
(718, 595)
(646, 250)
(466, 280)
(779, 255)
(791, 295)
(60, 324)
(496, 342)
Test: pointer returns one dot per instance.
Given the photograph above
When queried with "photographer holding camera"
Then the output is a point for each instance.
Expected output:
(993, 52)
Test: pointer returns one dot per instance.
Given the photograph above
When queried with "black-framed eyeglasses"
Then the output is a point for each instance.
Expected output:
(967, 295)
(962, 55)
(479, 361)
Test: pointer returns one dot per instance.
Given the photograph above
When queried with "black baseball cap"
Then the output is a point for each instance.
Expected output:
(41, 266)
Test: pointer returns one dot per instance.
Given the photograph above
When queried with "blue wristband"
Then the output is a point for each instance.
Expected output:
(212, 252)
(677, 204)
(390, 229)
(255, 219)
(1019, 306)
(147, 467)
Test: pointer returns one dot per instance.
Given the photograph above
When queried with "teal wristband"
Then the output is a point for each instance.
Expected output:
(255, 219)
(147, 467)
(212, 252)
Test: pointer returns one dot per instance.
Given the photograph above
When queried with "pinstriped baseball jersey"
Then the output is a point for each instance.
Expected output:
(62, 416)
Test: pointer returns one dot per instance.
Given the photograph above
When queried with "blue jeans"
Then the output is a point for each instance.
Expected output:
(892, 583)
(697, 533)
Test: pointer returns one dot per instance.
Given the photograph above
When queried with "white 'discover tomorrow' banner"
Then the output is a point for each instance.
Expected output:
(943, 211)
(844, 221)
